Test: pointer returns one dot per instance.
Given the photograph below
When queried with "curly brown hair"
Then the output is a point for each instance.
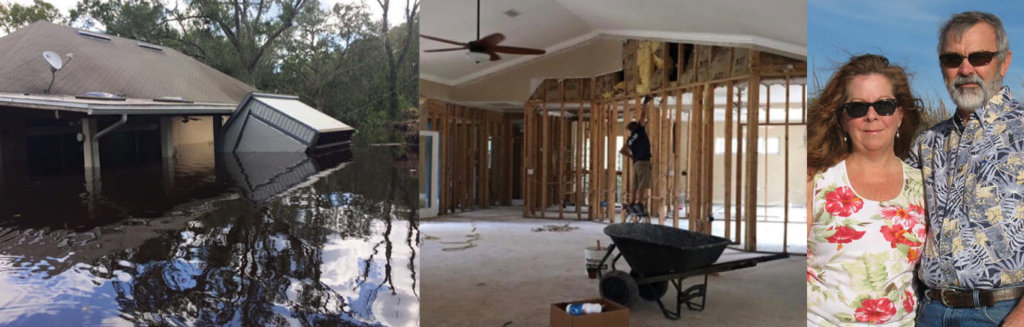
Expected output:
(827, 144)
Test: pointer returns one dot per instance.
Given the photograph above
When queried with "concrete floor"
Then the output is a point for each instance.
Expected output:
(513, 274)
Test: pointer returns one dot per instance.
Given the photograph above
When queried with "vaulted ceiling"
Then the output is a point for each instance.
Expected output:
(559, 26)
(553, 25)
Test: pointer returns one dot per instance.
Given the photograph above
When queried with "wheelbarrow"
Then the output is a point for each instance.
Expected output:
(659, 255)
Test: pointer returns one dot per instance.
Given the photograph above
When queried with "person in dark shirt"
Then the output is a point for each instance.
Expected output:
(638, 147)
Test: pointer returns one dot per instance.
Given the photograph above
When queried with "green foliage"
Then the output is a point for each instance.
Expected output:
(869, 273)
(14, 16)
(144, 20)
(339, 60)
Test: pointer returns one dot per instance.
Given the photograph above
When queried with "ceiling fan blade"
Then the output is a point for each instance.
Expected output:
(492, 39)
(445, 49)
(441, 40)
(494, 56)
(517, 50)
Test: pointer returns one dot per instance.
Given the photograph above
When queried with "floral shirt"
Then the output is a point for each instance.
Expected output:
(974, 186)
(861, 253)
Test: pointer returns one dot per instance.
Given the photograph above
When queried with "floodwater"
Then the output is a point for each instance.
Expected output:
(266, 240)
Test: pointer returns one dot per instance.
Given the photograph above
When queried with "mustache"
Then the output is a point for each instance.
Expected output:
(973, 79)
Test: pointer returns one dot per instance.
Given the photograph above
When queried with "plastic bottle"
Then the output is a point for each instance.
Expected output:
(579, 309)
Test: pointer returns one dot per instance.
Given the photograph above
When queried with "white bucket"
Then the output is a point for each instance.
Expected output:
(592, 255)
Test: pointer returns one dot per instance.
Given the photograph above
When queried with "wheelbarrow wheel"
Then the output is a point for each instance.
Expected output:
(620, 287)
(652, 291)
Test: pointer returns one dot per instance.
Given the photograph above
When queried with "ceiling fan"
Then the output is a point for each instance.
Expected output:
(483, 48)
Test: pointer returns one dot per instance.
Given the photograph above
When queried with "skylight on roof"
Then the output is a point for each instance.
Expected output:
(150, 46)
(100, 96)
(93, 35)
(173, 99)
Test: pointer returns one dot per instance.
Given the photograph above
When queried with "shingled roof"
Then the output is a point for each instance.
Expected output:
(118, 65)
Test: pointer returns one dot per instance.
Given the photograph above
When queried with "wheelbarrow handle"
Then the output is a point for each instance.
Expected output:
(605, 259)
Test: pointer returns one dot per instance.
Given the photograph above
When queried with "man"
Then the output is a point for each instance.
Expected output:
(973, 167)
(638, 147)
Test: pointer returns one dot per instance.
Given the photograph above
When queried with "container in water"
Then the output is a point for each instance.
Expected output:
(579, 309)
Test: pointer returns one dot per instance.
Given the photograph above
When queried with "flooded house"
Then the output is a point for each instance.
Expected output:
(103, 100)
(217, 205)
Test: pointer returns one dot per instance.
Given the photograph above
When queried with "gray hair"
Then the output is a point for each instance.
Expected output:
(960, 23)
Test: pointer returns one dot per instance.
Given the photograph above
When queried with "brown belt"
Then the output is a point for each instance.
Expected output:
(965, 299)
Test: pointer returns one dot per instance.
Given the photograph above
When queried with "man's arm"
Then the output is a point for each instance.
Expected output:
(625, 151)
(1016, 317)
(914, 157)
(642, 119)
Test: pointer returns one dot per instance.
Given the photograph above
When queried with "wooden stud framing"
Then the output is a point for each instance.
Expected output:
(709, 154)
(785, 188)
(627, 167)
(727, 166)
(677, 175)
(696, 151)
(753, 102)
(612, 132)
(740, 191)
(466, 180)
(560, 159)
(682, 138)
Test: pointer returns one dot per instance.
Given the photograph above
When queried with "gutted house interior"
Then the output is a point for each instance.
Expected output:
(527, 141)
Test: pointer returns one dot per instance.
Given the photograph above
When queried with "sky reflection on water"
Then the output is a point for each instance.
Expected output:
(337, 248)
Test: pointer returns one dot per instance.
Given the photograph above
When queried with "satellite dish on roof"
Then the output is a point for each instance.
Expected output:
(56, 63)
(54, 60)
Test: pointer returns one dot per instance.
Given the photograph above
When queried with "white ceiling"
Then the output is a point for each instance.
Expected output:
(779, 26)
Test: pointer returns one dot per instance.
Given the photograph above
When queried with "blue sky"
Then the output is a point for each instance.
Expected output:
(904, 31)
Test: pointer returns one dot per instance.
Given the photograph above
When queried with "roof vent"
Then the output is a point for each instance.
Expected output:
(173, 99)
(150, 46)
(100, 96)
(93, 35)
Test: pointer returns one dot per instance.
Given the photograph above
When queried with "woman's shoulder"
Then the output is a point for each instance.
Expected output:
(907, 167)
(911, 173)
(832, 175)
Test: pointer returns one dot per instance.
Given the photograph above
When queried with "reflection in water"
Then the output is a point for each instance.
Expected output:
(261, 176)
(338, 249)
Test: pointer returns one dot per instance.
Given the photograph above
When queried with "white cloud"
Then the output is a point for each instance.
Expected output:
(62, 5)
(396, 14)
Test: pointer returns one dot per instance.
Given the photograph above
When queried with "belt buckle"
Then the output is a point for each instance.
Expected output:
(942, 295)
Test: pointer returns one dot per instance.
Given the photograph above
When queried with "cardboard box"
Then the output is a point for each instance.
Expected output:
(612, 315)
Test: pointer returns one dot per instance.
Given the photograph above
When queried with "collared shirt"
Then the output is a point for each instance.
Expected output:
(974, 196)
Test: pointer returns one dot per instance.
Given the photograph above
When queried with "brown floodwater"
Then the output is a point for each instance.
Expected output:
(243, 240)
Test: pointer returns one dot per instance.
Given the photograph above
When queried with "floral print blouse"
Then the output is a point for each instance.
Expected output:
(861, 253)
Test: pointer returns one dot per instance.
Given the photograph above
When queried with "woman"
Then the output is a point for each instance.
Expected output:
(867, 205)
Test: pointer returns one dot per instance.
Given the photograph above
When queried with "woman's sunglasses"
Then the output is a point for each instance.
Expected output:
(980, 58)
(860, 109)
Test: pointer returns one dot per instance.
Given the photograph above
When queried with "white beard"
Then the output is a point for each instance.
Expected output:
(970, 99)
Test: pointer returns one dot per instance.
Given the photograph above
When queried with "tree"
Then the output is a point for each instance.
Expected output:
(14, 16)
(394, 63)
(250, 27)
(144, 20)
(314, 56)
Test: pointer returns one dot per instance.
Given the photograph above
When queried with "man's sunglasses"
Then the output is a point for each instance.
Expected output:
(860, 109)
(980, 58)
